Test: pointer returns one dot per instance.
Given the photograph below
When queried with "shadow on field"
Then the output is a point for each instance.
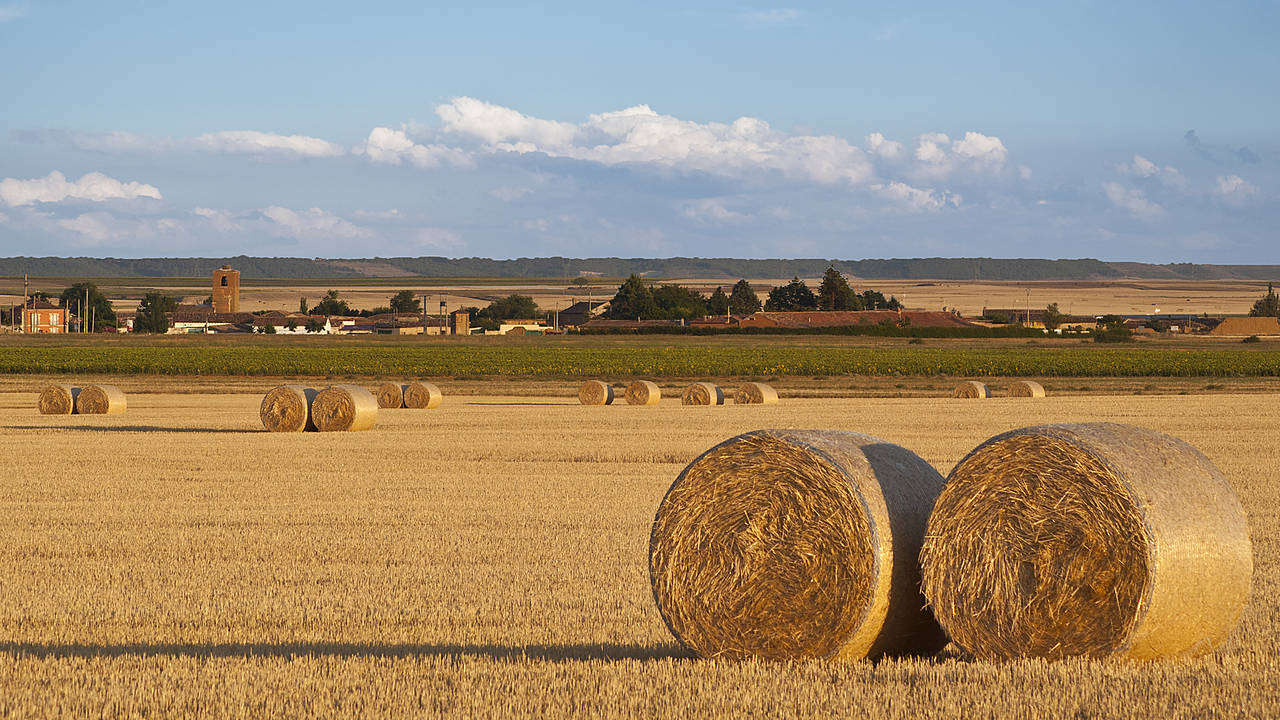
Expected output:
(523, 404)
(130, 429)
(542, 653)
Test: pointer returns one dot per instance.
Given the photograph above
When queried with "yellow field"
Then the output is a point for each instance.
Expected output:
(488, 559)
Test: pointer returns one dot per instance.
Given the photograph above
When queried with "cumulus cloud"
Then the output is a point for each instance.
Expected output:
(878, 145)
(712, 210)
(221, 220)
(916, 199)
(389, 146)
(938, 156)
(1235, 190)
(252, 142)
(226, 142)
(1132, 200)
(1141, 167)
(436, 238)
(55, 187)
(312, 224)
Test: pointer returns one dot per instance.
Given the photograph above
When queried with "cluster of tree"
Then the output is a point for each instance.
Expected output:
(403, 302)
(1268, 306)
(153, 313)
(834, 293)
(96, 310)
(1112, 328)
(511, 307)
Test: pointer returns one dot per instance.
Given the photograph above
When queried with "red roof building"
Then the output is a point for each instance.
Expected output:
(39, 316)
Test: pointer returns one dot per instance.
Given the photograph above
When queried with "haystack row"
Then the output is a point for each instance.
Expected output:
(293, 408)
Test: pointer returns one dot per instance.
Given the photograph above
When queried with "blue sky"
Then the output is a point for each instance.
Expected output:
(1140, 131)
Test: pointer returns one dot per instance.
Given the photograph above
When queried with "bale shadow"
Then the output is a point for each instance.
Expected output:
(608, 652)
(131, 429)
(523, 404)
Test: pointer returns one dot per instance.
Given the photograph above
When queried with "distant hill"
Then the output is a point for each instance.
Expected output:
(678, 267)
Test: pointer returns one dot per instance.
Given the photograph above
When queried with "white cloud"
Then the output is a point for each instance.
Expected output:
(1141, 167)
(773, 16)
(436, 238)
(12, 12)
(252, 142)
(1132, 199)
(219, 219)
(495, 124)
(55, 187)
(938, 156)
(226, 142)
(312, 224)
(916, 199)
(1235, 190)
(388, 146)
(508, 193)
(99, 228)
(712, 210)
(878, 145)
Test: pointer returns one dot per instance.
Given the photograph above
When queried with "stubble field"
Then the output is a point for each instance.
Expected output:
(489, 559)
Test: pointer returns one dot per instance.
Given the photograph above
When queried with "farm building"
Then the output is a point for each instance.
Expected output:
(522, 327)
(39, 316)
(1246, 326)
(580, 312)
(843, 318)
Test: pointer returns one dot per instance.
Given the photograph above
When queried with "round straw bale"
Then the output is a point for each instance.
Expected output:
(971, 389)
(344, 407)
(287, 408)
(1093, 539)
(390, 395)
(58, 399)
(100, 400)
(754, 393)
(1026, 388)
(796, 544)
(702, 393)
(594, 392)
(422, 396)
(643, 392)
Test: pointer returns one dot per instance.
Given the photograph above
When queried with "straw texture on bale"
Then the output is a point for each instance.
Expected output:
(1091, 539)
(100, 400)
(643, 392)
(422, 396)
(344, 407)
(702, 393)
(1026, 388)
(754, 393)
(58, 399)
(390, 395)
(796, 544)
(971, 389)
(594, 392)
(287, 408)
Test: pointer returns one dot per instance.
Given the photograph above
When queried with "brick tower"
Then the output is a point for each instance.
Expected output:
(226, 290)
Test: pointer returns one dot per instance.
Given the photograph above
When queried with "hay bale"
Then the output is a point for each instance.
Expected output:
(1093, 539)
(100, 400)
(754, 393)
(796, 544)
(57, 399)
(390, 395)
(971, 389)
(594, 392)
(1026, 388)
(422, 396)
(287, 408)
(643, 392)
(344, 407)
(702, 393)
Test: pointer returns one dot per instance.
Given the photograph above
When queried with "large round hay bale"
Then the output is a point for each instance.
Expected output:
(100, 400)
(702, 393)
(754, 393)
(971, 389)
(58, 399)
(595, 392)
(796, 544)
(422, 396)
(287, 408)
(1094, 539)
(1026, 388)
(344, 407)
(643, 392)
(390, 395)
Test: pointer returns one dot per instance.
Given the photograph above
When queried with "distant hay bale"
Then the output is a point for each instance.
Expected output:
(340, 408)
(1092, 539)
(594, 392)
(643, 392)
(390, 395)
(796, 544)
(58, 399)
(1026, 388)
(287, 408)
(422, 396)
(971, 389)
(702, 393)
(754, 393)
(100, 400)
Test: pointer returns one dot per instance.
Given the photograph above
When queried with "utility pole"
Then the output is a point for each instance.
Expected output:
(84, 313)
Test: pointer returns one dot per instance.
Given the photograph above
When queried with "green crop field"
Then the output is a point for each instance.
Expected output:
(654, 359)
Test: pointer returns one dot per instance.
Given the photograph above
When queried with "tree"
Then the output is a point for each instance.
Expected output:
(633, 301)
(291, 326)
(405, 302)
(153, 313)
(1268, 306)
(302, 305)
(743, 300)
(677, 303)
(794, 296)
(1052, 318)
(835, 294)
(331, 305)
(875, 300)
(99, 307)
(718, 303)
(314, 326)
(268, 329)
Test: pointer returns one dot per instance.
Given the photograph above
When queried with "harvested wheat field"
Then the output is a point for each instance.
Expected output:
(490, 559)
